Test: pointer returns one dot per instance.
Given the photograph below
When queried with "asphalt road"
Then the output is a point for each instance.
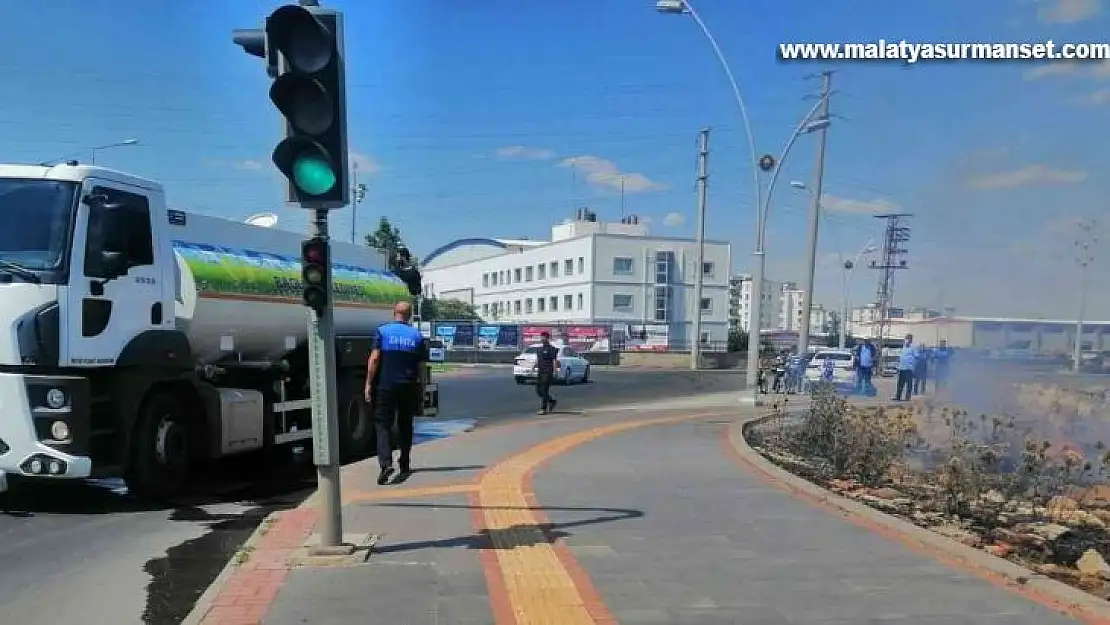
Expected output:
(88, 553)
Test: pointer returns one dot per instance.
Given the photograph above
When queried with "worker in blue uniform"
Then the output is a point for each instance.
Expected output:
(395, 376)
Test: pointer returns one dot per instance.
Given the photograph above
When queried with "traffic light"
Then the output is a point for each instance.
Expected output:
(303, 47)
(412, 279)
(314, 273)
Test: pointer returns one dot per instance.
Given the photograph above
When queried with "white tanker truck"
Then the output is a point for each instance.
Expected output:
(140, 341)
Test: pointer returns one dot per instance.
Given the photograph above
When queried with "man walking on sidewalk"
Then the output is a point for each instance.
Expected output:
(865, 367)
(547, 361)
(907, 360)
(395, 377)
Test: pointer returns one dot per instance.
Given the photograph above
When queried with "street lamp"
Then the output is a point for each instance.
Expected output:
(763, 200)
(93, 150)
(846, 298)
(1085, 244)
(118, 144)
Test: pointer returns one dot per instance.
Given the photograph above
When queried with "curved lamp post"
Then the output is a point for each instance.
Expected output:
(763, 200)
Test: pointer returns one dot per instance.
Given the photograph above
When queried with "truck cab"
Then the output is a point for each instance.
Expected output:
(83, 286)
(101, 371)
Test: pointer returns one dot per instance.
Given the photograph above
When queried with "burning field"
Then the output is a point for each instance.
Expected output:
(1031, 485)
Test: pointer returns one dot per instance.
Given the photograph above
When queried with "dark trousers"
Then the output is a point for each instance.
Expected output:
(905, 384)
(940, 377)
(920, 374)
(543, 389)
(396, 406)
(864, 382)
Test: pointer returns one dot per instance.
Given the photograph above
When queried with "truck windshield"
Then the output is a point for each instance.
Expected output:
(34, 222)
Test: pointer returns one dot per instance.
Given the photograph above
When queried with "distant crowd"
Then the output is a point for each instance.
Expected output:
(917, 363)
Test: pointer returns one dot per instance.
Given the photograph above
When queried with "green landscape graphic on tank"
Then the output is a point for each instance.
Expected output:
(224, 271)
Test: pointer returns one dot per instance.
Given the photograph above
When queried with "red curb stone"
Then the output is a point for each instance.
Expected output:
(254, 585)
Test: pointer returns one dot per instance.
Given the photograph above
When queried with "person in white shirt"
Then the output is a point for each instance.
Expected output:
(907, 360)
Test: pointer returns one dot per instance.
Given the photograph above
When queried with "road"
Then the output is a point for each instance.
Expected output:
(88, 553)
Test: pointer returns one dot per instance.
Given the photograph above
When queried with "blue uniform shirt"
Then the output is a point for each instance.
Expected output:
(403, 352)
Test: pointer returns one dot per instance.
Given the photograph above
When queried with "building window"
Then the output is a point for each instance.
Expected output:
(662, 303)
(706, 305)
(541, 303)
(485, 310)
(622, 302)
(528, 306)
(527, 274)
(541, 271)
(622, 266)
(581, 265)
(516, 307)
(568, 302)
(664, 262)
(580, 302)
(516, 275)
(554, 269)
(553, 303)
(568, 267)
(704, 338)
(707, 269)
(485, 280)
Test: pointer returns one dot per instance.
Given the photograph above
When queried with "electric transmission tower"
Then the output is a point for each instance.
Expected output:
(897, 234)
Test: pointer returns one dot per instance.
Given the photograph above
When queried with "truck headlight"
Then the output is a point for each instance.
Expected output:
(55, 398)
(59, 430)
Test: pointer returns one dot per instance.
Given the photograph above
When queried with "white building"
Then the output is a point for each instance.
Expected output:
(590, 272)
(740, 301)
(791, 305)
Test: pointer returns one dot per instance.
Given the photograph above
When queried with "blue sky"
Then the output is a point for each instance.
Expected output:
(463, 115)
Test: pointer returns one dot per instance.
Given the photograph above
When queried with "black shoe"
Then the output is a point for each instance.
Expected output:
(402, 475)
(551, 406)
(383, 477)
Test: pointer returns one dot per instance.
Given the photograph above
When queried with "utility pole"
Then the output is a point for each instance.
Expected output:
(815, 215)
(1085, 242)
(699, 272)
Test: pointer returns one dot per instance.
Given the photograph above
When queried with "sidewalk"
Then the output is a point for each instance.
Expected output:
(610, 517)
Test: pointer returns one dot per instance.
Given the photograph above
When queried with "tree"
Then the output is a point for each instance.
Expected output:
(448, 310)
(737, 340)
(387, 239)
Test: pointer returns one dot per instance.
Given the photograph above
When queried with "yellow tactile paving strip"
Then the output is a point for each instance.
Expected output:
(534, 581)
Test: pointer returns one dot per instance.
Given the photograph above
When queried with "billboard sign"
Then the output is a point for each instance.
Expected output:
(498, 337)
(583, 338)
(455, 335)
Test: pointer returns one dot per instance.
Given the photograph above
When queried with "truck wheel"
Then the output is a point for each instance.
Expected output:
(520, 379)
(356, 424)
(161, 447)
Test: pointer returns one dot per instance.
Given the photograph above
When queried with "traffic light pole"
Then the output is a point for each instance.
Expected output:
(325, 412)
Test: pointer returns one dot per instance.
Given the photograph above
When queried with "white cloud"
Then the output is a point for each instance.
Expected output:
(525, 153)
(1029, 176)
(1096, 98)
(1096, 70)
(1067, 11)
(248, 165)
(674, 220)
(604, 173)
(835, 204)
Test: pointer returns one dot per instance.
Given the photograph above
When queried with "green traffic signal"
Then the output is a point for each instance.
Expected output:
(313, 174)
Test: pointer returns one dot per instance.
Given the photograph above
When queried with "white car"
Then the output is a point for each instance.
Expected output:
(572, 367)
(841, 361)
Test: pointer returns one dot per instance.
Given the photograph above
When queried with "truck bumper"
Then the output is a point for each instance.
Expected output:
(30, 426)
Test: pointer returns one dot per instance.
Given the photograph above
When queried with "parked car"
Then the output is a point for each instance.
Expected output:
(841, 361)
(572, 367)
